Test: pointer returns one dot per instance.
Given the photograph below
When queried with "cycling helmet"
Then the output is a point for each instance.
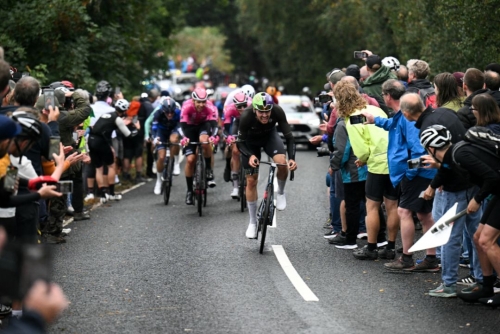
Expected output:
(63, 89)
(223, 95)
(240, 98)
(103, 89)
(68, 85)
(168, 105)
(122, 105)
(199, 94)
(262, 101)
(30, 125)
(435, 136)
(391, 62)
(271, 90)
(56, 84)
(248, 90)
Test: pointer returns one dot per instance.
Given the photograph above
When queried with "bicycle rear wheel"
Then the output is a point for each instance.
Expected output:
(265, 217)
(167, 181)
(242, 190)
(199, 177)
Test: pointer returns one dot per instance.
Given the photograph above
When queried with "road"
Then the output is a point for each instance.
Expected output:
(139, 266)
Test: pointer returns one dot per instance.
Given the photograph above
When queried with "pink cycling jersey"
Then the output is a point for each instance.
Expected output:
(230, 111)
(190, 116)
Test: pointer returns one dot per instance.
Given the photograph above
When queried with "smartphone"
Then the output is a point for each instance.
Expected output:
(48, 95)
(75, 137)
(360, 55)
(117, 90)
(357, 119)
(54, 146)
(65, 187)
(10, 179)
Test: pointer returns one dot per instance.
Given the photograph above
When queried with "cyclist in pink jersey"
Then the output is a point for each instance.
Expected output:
(232, 112)
(198, 123)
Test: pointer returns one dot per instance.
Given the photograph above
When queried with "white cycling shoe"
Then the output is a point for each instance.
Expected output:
(157, 190)
(177, 169)
(281, 202)
(251, 231)
(235, 193)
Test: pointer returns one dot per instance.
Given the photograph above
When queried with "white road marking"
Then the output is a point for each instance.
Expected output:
(293, 276)
(95, 206)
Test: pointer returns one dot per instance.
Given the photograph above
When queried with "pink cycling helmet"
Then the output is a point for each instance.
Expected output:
(199, 94)
(240, 98)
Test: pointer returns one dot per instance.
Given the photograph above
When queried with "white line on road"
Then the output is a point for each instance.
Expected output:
(293, 275)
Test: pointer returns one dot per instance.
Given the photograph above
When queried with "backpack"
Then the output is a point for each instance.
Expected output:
(428, 95)
(481, 138)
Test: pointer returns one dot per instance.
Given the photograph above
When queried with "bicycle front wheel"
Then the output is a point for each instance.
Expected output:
(166, 181)
(265, 216)
(241, 190)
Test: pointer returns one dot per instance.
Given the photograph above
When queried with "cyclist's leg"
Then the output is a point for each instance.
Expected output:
(275, 149)
(174, 151)
(235, 168)
(190, 132)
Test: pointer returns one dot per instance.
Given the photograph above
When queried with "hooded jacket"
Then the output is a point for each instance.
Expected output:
(373, 84)
(416, 85)
(466, 116)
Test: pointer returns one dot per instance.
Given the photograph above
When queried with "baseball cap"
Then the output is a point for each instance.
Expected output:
(459, 78)
(335, 76)
(8, 128)
(373, 60)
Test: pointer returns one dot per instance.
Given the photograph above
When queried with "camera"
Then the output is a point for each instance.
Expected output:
(415, 163)
(20, 266)
(357, 119)
(65, 187)
(323, 98)
(360, 55)
(323, 151)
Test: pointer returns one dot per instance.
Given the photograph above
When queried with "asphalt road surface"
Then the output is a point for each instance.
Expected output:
(139, 266)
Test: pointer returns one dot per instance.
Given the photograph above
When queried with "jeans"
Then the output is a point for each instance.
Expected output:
(451, 251)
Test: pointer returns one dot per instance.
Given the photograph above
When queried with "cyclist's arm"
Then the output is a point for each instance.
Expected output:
(147, 124)
(241, 143)
(287, 133)
(122, 127)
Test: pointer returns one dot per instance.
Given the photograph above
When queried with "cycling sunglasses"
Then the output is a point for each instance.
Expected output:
(241, 105)
(266, 109)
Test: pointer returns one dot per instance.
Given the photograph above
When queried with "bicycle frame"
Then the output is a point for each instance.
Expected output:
(199, 179)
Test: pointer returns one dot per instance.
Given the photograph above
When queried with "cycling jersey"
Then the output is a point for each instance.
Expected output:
(107, 123)
(161, 123)
(252, 131)
(230, 112)
(190, 116)
(230, 97)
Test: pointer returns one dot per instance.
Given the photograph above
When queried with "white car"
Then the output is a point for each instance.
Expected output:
(301, 116)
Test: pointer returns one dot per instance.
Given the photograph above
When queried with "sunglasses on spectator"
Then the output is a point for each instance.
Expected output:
(241, 105)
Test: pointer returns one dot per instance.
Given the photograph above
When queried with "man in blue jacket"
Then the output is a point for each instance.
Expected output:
(404, 144)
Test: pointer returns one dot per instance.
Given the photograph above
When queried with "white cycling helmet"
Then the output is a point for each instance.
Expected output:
(122, 105)
(248, 90)
(435, 136)
(391, 62)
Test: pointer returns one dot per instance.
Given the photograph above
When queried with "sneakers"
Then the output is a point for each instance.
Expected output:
(139, 179)
(211, 183)
(382, 244)
(189, 198)
(89, 197)
(70, 211)
(330, 234)
(339, 239)
(177, 169)
(473, 293)
(400, 264)
(428, 265)
(469, 280)
(251, 231)
(491, 301)
(209, 174)
(464, 262)
(227, 175)
(5, 310)
(157, 189)
(104, 198)
(115, 197)
(365, 254)
(281, 202)
(235, 194)
(328, 223)
(444, 291)
(52, 239)
(389, 254)
(347, 246)
(85, 215)
(496, 286)
(362, 235)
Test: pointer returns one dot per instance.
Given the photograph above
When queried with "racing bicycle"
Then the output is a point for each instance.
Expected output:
(167, 175)
(265, 213)
(200, 178)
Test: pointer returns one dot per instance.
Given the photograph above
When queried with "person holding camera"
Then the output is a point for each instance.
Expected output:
(403, 144)
(452, 187)
(482, 167)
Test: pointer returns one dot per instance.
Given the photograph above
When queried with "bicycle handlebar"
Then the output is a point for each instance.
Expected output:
(199, 142)
(292, 173)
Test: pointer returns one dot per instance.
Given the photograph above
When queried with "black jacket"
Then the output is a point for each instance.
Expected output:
(453, 179)
(482, 167)
(416, 85)
(466, 116)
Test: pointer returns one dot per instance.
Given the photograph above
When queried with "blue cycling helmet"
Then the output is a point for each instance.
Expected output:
(168, 105)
